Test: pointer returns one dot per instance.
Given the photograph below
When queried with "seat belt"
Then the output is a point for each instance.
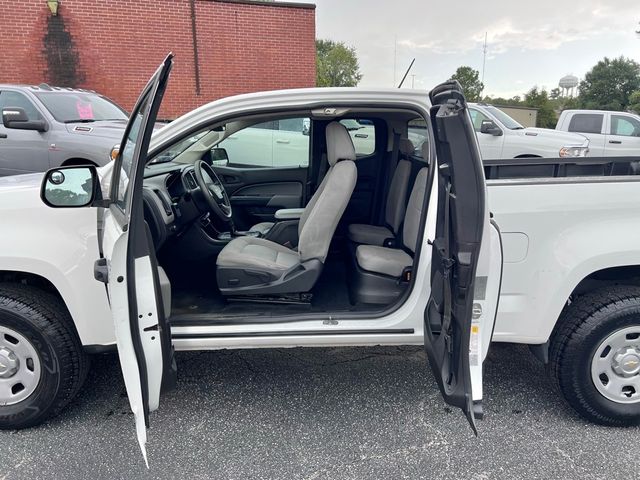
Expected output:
(324, 167)
(388, 173)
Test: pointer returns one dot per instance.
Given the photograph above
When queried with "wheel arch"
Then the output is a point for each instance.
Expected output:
(76, 161)
(83, 307)
(597, 279)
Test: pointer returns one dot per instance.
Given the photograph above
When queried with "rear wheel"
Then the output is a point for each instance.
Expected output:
(42, 364)
(595, 356)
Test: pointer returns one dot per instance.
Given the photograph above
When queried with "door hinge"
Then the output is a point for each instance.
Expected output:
(100, 270)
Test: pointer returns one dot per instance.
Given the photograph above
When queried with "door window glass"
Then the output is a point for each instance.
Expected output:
(363, 135)
(586, 123)
(625, 126)
(477, 118)
(282, 143)
(19, 100)
(418, 134)
(126, 156)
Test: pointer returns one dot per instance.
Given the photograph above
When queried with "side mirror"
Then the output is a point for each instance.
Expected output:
(490, 128)
(70, 187)
(219, 157)
(16, 117)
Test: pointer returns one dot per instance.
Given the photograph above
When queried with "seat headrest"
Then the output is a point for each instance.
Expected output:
(406, 146)
(339, 144)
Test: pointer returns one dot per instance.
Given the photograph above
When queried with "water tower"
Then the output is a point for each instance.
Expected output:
(568, 85)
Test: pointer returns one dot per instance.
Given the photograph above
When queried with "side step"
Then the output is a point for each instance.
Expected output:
(287, 299)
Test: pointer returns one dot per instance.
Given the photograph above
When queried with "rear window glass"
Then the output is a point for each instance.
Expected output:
(586, 123)
(363, 134)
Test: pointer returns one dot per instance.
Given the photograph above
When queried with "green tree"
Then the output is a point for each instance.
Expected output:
(634, 102)
(609, 84)
(539, 99)
(336, 65)
(469, 80)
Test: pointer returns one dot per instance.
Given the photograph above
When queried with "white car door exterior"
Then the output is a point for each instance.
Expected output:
(491, 146)
(466, 267)
(623, 136)
(142, 330)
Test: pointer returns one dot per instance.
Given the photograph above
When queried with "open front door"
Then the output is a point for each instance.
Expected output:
(132, 274)
(466, 264)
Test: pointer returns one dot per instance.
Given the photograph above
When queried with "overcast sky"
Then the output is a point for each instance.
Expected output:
(529, 43)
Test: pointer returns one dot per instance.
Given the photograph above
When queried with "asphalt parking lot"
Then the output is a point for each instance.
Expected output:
(321, 414)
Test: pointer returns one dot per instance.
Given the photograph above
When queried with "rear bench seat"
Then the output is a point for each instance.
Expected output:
(395, 206)
(377, 271)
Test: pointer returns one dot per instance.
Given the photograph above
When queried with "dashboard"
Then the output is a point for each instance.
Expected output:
(169, 199)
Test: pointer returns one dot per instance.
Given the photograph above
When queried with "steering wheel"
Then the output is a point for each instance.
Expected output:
(213, 190)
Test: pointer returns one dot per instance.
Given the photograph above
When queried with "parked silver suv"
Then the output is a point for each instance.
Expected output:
(44, 127)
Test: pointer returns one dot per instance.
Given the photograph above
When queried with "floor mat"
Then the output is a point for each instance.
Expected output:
(200, 297)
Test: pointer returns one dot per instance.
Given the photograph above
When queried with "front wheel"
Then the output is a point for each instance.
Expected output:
(595, 356)
(42, 364)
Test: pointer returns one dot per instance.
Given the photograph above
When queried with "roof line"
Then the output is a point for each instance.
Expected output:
(262, 3)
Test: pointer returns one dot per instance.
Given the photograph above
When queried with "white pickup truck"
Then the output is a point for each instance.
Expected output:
(610, 134)
(555, 265)
(500, 136)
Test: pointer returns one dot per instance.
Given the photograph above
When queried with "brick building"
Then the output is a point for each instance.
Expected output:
(222, 47)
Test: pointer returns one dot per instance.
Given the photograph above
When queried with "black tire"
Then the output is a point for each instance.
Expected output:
(43, 319)
(582, 327)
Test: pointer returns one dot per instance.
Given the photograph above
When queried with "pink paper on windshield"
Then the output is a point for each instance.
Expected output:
(85, 110)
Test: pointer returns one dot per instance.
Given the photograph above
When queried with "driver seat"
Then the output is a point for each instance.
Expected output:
(255, 266)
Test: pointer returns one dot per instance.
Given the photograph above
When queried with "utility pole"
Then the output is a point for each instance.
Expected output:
(413, 80)
(484, 55)
(484, 61)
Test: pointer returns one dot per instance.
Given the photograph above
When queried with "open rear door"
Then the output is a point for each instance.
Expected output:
(130, 270)
(466, 264)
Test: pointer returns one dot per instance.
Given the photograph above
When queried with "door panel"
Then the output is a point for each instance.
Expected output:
(22, 151)
(142, 331)
(257, 193)
(464, 287)
(623, 138)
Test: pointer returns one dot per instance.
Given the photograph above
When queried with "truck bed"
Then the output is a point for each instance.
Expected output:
(545, 168)
(561, 220)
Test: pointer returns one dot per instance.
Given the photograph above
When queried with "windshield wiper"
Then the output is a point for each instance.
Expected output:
(80, 120)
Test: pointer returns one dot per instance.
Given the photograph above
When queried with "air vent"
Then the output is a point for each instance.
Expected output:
(190, 180)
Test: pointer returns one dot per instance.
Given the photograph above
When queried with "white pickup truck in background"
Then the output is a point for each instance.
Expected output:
(613, 134)
(500, 136)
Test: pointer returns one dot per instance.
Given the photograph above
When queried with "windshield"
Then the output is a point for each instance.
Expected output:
(505, 119)
(71, 107)
(177, 149)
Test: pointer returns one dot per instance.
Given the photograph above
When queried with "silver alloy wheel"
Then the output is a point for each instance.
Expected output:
(615, 367)
(19, 367)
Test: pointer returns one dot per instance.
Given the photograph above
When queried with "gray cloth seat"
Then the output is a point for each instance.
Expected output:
(249, 265)
(395, 205)
(392, 261)
(387, 261)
